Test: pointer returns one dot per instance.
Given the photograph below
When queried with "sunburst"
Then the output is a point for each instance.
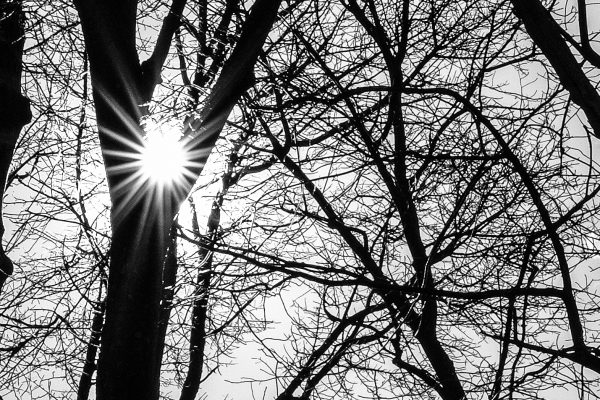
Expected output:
(157, 169)
(163, 159)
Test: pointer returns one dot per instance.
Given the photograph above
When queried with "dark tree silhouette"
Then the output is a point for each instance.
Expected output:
(400, 174)
(402, 202)
(129, 363)
(14, 107)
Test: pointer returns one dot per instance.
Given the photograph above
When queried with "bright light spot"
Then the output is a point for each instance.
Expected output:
(163, 157)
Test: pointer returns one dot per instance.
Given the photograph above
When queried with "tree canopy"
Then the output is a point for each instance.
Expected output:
(303, 199)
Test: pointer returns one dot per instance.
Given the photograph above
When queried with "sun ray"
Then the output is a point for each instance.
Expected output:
(152, 163)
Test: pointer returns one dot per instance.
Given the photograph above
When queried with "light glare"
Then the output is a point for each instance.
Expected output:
(163, 157)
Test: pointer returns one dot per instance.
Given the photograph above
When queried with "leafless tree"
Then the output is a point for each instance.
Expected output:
(128, 364)
(407, 180)
(408, 170)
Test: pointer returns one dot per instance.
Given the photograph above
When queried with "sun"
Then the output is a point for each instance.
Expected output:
(155, 168)
(163, 157)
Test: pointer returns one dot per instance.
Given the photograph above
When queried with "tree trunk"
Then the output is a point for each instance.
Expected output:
(128, 365)
(193, 378)
(15, 112)
(85, 382)
(169, 277)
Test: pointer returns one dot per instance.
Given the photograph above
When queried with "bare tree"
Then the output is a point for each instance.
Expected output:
(128, 367)
(406, 180)
(410, 171)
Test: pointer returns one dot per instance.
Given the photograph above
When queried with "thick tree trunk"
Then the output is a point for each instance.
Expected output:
(129, 363)
(128, 367)
(15, 112)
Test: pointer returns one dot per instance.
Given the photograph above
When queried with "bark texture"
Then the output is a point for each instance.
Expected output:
(15, 112)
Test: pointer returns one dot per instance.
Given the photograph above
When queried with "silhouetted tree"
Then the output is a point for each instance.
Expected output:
(411, 179)
(14, 107)
(406, 202)
(141, 217)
